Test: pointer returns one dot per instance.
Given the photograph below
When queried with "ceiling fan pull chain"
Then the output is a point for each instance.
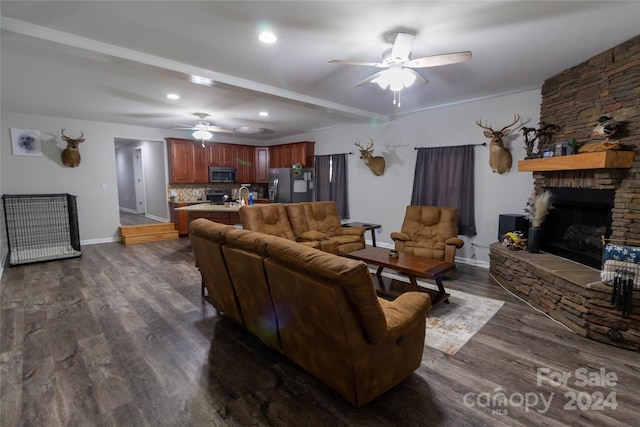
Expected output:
(396, 98)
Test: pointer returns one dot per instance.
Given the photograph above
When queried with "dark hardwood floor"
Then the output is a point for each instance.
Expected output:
(121, 337)
(128, 218)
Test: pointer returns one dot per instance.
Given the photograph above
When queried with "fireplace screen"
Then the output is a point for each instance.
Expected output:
(577, 222)
(621, 271)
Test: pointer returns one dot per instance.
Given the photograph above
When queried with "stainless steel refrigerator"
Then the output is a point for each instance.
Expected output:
(287, 185)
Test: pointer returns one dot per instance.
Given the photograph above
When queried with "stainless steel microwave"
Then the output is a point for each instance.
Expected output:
(222, 174)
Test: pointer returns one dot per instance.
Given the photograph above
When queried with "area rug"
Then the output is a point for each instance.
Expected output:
(451, 326)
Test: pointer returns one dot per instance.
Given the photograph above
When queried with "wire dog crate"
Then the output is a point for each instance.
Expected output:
(41, 227)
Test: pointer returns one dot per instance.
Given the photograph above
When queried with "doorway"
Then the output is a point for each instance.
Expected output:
(142, 181)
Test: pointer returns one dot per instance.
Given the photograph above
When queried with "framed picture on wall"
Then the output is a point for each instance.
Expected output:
(26, 142)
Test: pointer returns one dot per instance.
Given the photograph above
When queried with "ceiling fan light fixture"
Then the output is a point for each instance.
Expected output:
(202, 134)
(395, 79)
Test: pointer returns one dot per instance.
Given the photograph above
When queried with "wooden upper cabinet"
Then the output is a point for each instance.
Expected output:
(262, 164)
(245, 158)
(200, 163)
(188, 161)
(221, 154)
(227, 154)
(303, 153)
(286, 155)
(274, 156)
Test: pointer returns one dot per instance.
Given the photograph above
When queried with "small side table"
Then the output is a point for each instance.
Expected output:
(366, 226)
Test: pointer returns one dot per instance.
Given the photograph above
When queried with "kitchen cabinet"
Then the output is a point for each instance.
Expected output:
(303, 153)
(274, 156)
(188, 161)
(245, 163)
(262, 164)
(180, 218)
(286, 155)
(221, 154)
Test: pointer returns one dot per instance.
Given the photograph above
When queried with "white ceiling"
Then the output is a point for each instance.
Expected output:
(114, 61)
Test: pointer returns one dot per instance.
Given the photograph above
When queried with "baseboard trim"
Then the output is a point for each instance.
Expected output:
(98, 241)
(156, 218)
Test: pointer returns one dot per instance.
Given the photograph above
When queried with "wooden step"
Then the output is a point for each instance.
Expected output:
(146, 233)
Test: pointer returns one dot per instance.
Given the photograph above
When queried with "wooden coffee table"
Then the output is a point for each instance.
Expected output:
(411, 265)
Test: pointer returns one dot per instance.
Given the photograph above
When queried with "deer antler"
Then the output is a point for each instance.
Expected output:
(479, 123)
(357, 144)
(67, 139)
(370, 145)
(517, 117)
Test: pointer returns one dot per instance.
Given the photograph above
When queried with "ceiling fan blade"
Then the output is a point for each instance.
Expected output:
(368, 64)
(438, 60)
(368, 79)
(185, 128)
(218, 129)
(402, 46)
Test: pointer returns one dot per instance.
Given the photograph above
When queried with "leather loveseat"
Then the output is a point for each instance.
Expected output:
(315, 224)
(318, 309)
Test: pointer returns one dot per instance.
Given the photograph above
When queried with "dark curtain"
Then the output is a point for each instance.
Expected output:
(444, 177)
(331, 181)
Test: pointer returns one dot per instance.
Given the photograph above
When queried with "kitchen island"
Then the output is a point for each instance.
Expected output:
(216, 213)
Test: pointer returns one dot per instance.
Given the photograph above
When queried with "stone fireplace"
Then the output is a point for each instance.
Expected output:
(596, 194)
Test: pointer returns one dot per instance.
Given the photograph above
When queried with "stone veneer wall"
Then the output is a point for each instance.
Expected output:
(568, 291)
(607, 84)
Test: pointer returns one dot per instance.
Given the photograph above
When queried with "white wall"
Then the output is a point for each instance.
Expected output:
(155, 179)
(125, 181)
(382, 199)
(94, 182)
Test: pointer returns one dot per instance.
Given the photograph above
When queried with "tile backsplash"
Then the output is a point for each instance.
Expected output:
(191, 192)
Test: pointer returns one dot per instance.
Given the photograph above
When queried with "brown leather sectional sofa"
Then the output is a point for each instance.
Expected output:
(318, 309)
(314, 224)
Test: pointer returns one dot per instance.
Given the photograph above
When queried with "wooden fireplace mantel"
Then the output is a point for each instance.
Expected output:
(596, 160)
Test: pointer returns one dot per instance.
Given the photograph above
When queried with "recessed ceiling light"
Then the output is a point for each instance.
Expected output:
(173, 96)
(264, 113)
(267, 37)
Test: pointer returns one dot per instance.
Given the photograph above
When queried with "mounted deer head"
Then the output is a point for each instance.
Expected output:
(375, 163)
(71, 155)
(499, 157)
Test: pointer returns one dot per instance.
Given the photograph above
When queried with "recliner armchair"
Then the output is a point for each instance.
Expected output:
(430, 232)
(320, 221)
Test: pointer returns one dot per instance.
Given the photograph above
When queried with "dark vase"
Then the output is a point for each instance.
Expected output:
(535, 236)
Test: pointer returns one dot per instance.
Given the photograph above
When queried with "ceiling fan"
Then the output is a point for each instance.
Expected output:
(399, 70)
(202, 129)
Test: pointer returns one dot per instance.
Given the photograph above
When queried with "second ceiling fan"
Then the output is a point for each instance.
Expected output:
(399, 70)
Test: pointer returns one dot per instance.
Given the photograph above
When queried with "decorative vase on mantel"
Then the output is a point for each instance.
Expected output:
(534, 239)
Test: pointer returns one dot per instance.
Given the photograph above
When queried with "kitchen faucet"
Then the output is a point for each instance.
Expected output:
(240, 196)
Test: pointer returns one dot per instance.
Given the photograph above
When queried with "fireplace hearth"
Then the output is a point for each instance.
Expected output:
(575, 226)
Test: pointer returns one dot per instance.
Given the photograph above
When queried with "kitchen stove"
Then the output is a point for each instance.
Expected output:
(217, 197)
